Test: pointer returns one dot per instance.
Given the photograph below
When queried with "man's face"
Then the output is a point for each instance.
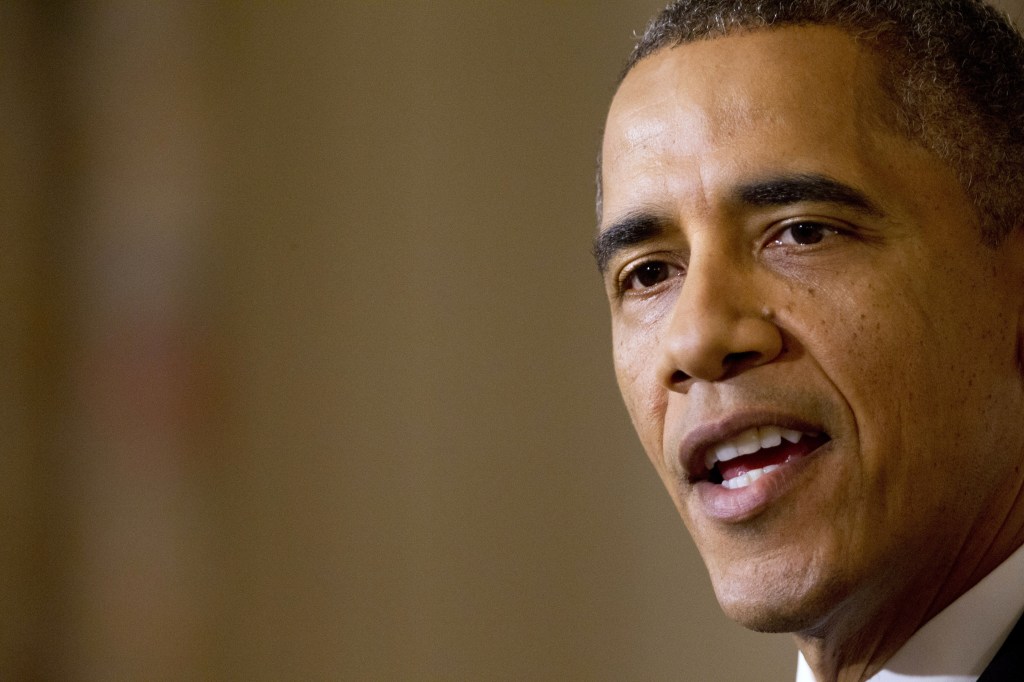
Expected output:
(781, 266)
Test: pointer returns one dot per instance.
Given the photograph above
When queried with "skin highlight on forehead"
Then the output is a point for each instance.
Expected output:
(643, 124)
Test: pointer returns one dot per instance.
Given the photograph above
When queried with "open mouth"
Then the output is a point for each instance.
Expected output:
(758, 451)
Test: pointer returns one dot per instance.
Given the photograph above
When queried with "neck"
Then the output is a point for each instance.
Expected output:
(855, 641)
(851, 647)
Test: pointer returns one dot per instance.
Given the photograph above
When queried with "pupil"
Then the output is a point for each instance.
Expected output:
(806, 233)
(650, 274)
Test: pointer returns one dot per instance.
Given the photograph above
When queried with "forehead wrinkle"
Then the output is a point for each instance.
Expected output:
(656, 156)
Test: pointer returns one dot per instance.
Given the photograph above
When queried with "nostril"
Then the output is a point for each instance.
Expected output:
(737, 361)
(706, 343)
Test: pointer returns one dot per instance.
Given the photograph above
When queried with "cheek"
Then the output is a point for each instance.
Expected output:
(645, 398)
(924, 371)
(864, 339)
(871, 337)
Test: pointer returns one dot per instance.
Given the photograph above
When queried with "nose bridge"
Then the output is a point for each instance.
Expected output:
(719, 325)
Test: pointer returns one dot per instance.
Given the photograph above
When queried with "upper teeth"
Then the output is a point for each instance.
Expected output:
(748, 442)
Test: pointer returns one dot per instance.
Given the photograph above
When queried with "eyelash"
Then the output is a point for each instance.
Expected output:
(623, 286)
(825, 229)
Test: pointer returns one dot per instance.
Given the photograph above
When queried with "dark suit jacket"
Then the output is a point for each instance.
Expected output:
(1008, 665)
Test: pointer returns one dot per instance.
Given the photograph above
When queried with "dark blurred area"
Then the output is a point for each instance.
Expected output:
(307, 372)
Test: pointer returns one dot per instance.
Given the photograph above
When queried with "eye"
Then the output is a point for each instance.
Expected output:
(803, 233)
(648, 274)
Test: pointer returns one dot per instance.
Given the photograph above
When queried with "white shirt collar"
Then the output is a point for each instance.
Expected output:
(957, 644)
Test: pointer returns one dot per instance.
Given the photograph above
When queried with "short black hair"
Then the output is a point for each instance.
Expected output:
(952, 69)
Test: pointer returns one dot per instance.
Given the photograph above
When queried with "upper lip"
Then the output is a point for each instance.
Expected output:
(699, 440)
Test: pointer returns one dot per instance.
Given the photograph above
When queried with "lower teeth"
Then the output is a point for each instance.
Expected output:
(743, 480)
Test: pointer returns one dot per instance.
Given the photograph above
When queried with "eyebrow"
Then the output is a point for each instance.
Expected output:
(639, 227)
(632, 229)
(804, 187)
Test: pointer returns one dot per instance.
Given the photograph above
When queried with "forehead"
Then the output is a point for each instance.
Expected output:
(796, 99)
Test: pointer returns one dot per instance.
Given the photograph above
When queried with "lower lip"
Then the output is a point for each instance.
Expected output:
(743, 504)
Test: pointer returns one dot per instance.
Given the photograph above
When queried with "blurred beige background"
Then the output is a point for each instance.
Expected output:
(306, 363)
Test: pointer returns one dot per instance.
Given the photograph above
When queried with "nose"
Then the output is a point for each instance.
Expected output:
(719, 325)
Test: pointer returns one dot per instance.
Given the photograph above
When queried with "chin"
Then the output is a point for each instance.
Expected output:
(790, 603)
